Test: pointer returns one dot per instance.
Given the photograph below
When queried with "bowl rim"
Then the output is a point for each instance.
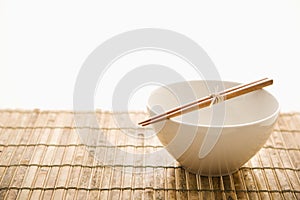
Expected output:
(276, 112)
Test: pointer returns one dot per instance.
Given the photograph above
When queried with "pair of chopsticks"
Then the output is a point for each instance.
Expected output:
(209, 100)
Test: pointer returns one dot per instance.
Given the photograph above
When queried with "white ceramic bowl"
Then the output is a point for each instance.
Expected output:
(217, 140)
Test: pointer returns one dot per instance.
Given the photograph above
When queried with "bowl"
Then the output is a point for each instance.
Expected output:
(215, 140)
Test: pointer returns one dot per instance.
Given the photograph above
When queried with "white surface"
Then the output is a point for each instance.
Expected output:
(43, 44)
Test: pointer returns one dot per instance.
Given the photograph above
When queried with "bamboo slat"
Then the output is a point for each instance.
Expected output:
(42, 157)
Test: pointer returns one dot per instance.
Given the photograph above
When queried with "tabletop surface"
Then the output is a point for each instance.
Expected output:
(43, 157)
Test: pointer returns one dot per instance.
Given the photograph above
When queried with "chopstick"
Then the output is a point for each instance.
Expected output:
(199, 100)
(207, 101)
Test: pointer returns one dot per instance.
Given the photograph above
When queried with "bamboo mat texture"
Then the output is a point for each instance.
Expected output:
(42, 157)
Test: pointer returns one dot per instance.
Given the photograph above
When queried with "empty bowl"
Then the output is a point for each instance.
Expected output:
(219, 139)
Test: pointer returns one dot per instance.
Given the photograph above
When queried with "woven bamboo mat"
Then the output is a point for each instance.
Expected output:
(42, 157)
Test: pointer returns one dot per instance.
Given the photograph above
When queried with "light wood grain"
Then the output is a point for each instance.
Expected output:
(53, 164)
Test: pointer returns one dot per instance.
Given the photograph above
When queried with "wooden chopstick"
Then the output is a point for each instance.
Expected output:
(199, 100)
(207, 101)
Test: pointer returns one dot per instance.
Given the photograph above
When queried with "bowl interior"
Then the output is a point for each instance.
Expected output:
(245, 109)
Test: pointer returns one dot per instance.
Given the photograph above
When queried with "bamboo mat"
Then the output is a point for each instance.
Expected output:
(42, 157)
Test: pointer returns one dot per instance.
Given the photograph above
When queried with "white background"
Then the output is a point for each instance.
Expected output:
(44, 43)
